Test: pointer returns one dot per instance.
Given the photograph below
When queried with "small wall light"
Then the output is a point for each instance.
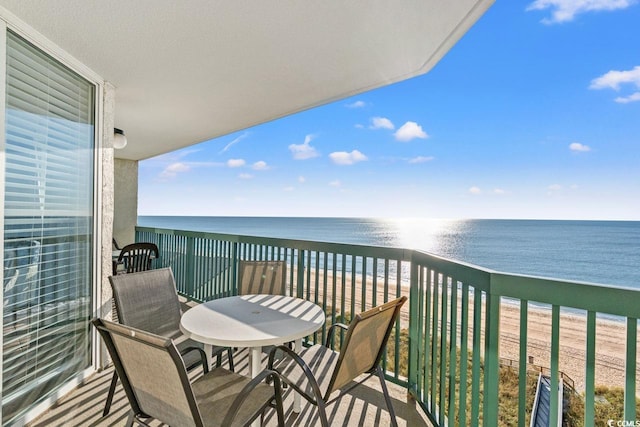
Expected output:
(119, 140)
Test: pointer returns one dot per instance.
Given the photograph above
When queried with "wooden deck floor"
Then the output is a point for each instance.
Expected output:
(363, 407)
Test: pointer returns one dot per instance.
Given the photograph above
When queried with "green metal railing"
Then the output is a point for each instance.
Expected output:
(446, 345)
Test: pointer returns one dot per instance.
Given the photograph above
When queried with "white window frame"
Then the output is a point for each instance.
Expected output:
(8, 21)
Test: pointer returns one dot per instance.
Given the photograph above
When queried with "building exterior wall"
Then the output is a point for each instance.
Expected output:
(125, 204)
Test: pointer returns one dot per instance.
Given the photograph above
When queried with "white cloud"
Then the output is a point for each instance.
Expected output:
(235, 141)
(301, 179)
(344, 158)
(614, 78)
(358, 126)
(421, 159)
(576, 146)
(409, 131)
(477, 191)
(566, 10)
(335, 183)
(558, 189)
(627, 99)
(174, 169)
(235, 163)
(381, 123)
(245, 176)
(304, 151)
(357, 104)
(260, 166)
(172, 157)
(288, 188)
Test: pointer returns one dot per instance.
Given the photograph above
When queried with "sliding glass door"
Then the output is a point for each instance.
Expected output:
(48, 226)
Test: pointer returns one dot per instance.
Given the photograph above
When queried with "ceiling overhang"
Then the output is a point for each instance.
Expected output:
(189, 71)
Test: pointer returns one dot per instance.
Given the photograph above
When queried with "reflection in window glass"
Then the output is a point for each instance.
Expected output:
(48, 226)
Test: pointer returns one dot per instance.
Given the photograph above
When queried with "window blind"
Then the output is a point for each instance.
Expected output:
(48, 223)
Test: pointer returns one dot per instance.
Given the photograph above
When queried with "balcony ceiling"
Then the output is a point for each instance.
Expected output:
(188, 71)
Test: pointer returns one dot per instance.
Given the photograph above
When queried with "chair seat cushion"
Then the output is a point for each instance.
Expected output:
(216, 391)
(320, 360)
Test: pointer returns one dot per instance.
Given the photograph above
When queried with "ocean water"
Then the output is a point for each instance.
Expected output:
(605, 252)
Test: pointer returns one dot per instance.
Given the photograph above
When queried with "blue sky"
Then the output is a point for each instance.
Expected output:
(535, 113)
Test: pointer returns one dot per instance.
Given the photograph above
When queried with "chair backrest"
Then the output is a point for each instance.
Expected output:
(152, 374)
(262, 277)
(364, 343)
(148, 300)
(137, 256)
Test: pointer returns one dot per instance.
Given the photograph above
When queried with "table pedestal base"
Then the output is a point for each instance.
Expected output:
(208, 351)
(255, 366)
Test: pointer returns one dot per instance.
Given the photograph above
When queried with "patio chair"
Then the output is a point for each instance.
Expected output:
(114, 245)
(157, 385)
(148, 301)
(135, 257)
(318, 372)
(262, 277)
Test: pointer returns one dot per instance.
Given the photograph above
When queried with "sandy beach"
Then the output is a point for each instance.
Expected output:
(610, 344)
(610, 334)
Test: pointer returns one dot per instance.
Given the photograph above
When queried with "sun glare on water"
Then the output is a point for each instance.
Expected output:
(438, 236)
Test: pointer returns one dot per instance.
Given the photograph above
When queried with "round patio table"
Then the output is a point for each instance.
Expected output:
(253, 321)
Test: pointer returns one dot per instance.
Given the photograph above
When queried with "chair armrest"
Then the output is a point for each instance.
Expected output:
(331, 333)
(203, 358)
(186, 303)
(305, 369)
(266, 374)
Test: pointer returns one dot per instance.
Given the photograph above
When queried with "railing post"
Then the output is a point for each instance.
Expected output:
(234, 268)
(522, 363)
(453, 332)
(414, 325)
(590, 368)
(630, 370)
(555, 408)
(464, 353)
(491, 359)
(163, 261)
(300, 278)
(189, 286)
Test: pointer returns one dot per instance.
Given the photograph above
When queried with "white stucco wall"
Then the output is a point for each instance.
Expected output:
(105, 213)
(118, 205)
(125, 200)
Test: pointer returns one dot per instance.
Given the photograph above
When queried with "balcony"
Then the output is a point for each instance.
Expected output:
(464, 330)
(364, 406)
